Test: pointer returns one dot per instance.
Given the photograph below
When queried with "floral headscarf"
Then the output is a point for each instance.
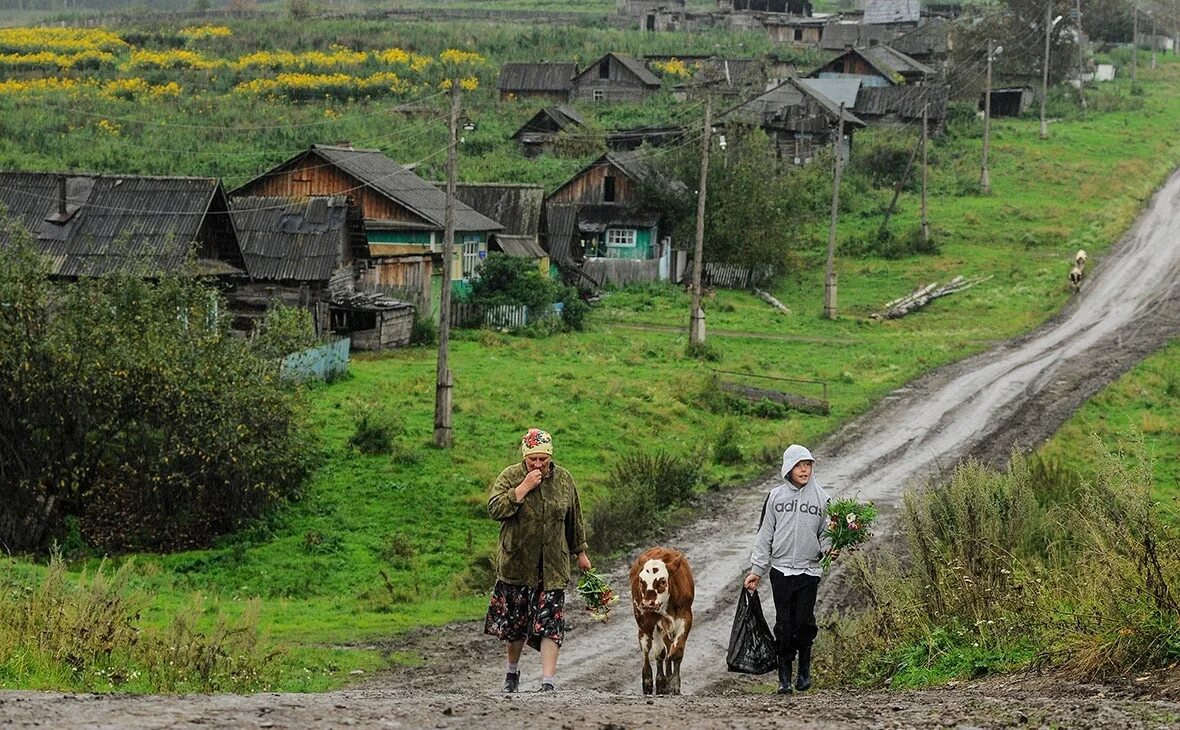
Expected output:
(536, 441)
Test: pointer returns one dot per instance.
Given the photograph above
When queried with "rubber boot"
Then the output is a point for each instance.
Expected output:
(803, 681)
(784, 675)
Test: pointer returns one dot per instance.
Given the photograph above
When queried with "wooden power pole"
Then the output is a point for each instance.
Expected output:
(1045, 69)
(925, 170)
(696, 325)
(445, 380)
(985, 181)
(1134, 46)
(830, 270)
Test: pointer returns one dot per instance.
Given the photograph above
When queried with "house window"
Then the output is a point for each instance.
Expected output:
(599, 94)
(608, 189)
(620, 237)
(471, 258)
(838, 66)
(798, 34)
(604, 68)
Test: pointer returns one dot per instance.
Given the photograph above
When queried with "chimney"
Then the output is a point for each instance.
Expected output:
(61, 196)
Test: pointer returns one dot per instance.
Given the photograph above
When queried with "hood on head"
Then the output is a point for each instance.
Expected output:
(793, 455)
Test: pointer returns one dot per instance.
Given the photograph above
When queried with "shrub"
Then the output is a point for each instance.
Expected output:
(702, 351)
(882, 159)
(424, 332)
(137, 412)
(573, 309)
(890, 245)
(640, 489)
(725, 447)
(375, 430)
(285, 330)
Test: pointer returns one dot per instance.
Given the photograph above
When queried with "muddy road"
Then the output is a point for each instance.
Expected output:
(1016, 394)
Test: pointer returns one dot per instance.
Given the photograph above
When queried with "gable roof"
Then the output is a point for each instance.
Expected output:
(773, 108)
(892, 11)
(891, 58)
(931, 38)
(839, 90)
(633, 65)
(838, 36)
(518, 205)
(127, 223)
(538, 76)
(374, 170)
(300, 239)
(561, 117)
(904, 101)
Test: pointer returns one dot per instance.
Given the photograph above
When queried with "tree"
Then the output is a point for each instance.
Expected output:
(1018, 26)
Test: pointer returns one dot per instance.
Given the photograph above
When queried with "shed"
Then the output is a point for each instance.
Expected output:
(902, 105)
(841, 36)
(615, 77)
(525, 247)
(92, 224)
(1009, 102)
(929, 43)
(553, 81)
(797, 118)
(877, 65)
(537, 134)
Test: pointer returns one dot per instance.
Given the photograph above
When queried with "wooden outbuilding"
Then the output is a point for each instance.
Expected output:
(94, 224)
(798, 120)
(615, 77)
(550, 81)
(537, 134)
(877, 65)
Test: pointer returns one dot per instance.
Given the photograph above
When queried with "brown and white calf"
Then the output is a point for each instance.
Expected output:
(662, 590)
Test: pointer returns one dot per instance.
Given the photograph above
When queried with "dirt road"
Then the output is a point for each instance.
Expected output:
(1017, 393)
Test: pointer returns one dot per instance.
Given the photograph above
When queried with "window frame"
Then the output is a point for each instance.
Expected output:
(619, 238)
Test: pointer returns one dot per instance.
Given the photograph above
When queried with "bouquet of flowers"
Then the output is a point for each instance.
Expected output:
(848, 526)
(597, 595)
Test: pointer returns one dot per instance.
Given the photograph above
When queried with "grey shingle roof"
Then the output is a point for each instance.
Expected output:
(893, 59)
(127, 223)
(776, 107)
(521, 246)
(928, 39)
(904, 101)
(516, 206)
(294, 239)
(838, 36)
(537, 76)
(892, 11)
(395, 182)
(841, 90)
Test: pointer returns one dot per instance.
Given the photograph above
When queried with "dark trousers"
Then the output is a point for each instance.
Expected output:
(794, 608)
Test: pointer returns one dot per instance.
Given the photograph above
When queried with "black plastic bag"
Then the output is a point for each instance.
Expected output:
(752, 649)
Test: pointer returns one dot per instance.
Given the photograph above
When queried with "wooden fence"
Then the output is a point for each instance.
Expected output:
(325, 362)
(504, 316)
(732, 276)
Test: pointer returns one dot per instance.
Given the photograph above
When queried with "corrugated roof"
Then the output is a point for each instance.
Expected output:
(128, 223)
(561, 223)
(839, 90)
(521, 246)
(894, 59)
(395, 182)
(838, 36)
(931, 38)
(635, 66)
(296, 239)
(879, 12)
(549, 120)
(905, 102)
(555, 77)
(517, 206)
(786, 106)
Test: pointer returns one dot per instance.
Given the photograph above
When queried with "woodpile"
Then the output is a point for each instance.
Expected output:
(923, 296)
(769, 299)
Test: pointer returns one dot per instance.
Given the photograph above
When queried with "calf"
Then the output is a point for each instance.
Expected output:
(662, 590)
(1076, 274)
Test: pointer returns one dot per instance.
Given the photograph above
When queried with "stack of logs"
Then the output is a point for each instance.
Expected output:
(923, 296)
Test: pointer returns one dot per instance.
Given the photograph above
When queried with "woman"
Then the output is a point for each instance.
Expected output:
(541, 527)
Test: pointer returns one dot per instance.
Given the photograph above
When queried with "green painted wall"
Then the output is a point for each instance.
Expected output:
(421, 238)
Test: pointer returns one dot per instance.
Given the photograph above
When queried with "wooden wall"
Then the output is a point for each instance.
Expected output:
(588, 187)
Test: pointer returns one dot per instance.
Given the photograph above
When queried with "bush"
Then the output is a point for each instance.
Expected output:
(375, 430)
(890, 245)
(573, 309)
(640, 489)
(882, 159)
(285, 330)
(725, 448)
(424, 332)
(138, 413)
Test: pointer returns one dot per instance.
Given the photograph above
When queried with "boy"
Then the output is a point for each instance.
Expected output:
(790, 542)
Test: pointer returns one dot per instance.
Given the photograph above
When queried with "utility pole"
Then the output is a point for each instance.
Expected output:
(1045, 70)
(445, 380)
(985, 183)
(696, 324)
(1134, 47)
(1081, 58)
(830, 271)
(925, 171)
(1151, 14)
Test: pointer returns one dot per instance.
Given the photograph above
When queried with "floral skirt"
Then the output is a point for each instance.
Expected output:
(526, 612)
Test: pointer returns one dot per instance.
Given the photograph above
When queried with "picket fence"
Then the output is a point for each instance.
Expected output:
(504, 316)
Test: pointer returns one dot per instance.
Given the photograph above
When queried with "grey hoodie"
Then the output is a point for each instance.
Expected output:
(791, 532)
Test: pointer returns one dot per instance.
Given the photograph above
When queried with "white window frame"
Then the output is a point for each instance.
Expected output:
(622, 238)
(471, 260)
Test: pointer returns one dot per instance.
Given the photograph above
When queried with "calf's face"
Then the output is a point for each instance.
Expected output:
(653, 586)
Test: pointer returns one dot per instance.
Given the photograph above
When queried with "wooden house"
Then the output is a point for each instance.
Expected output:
(798, 120)
(549, 81)
(90, 225)
(898, 106)
(597, 227)
(615, 77)
(796, 31)
(518, 207)
(839, 36)
(892, 12)
(930, 43)
(537, 134)
(877, 65)
(789, 7)
(403, 214)
(307, 252)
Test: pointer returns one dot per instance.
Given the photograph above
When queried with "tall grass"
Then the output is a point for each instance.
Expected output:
(1028, 565)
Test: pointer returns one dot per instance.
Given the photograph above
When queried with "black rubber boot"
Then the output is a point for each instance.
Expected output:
(784, 676)
(803, 682)
(512, 681)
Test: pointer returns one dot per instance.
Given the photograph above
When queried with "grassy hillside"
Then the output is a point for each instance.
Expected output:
(382, 544)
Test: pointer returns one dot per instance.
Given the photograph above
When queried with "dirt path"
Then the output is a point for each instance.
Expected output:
(1015, 394)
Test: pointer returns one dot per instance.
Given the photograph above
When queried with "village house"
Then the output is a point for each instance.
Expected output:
(840, 36)
(798, 120)
(403, 214)
(597, 229)
(895, 13)
(306, 252)
(615, 77)
(899, 106)
(90, 224)
(518, 207)
(547, 81)
(537, 134)
(877, 65)
(790, 7)
(930, 43)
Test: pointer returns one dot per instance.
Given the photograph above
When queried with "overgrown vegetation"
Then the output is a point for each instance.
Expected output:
(640, 491)
(130, 407)
(1029, 565)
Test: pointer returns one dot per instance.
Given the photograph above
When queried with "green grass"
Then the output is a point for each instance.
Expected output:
(418, 517)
